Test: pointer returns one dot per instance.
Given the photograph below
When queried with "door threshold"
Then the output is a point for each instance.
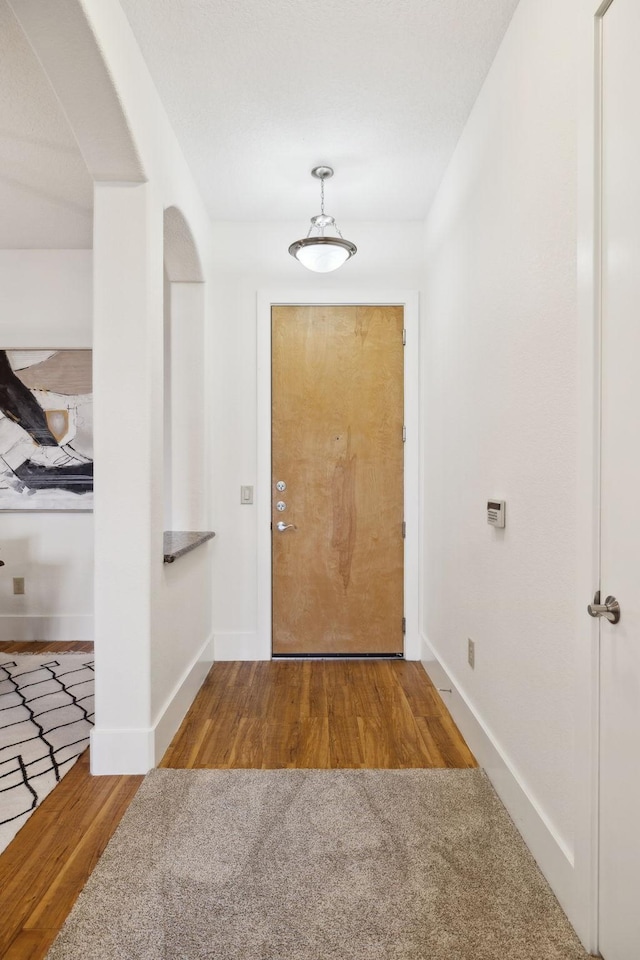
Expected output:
(337, 656)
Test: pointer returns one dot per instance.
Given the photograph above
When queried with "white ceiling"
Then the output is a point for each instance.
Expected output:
(46, 193)
(258, 92)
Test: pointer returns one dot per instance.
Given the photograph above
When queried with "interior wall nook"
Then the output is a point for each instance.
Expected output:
(185, 442)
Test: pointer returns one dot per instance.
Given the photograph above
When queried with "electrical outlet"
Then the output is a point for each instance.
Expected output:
(471, 653)
(18, 585)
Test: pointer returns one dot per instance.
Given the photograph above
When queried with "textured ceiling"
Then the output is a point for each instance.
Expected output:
(259, 91)
(45, 190)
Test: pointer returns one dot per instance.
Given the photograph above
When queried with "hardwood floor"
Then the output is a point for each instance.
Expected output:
(318, 714)
(35, 646)
(45, 867)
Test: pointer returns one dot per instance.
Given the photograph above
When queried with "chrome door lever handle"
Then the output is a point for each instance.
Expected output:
(610, 609)
(282, 526)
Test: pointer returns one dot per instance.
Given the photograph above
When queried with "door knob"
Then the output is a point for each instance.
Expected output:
(610, 609)
(282, 526)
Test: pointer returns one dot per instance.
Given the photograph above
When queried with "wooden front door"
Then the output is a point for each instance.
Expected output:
(337, 445)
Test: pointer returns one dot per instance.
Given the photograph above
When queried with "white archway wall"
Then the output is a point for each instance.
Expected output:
(154, 617)
(181, 258)
(126, 454)
(99, 75)
(186, 447)
(152, 621)
(62, 37)
(184, 402)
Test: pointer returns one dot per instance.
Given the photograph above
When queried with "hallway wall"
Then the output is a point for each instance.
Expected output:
(45, 301)
(499, 372)
(97, 71)
(249, 257)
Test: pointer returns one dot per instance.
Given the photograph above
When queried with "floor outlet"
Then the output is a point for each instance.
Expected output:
(471, 653)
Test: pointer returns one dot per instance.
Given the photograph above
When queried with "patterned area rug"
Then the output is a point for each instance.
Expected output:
(46, 713)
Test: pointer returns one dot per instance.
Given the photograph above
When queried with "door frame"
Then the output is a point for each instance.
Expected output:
(409, 299)
(587, 659)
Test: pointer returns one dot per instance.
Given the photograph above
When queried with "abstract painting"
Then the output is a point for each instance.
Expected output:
(46, 430)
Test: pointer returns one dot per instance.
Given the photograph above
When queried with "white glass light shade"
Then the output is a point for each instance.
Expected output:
(322, 257)
(322, 254)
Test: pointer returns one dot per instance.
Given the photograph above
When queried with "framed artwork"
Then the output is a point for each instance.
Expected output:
(46, 430)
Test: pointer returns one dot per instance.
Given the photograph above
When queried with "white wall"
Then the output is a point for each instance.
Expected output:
(146, 671)
(46, 301)
(249, 257)
(157, 621)
(499, 374)
(187, 494)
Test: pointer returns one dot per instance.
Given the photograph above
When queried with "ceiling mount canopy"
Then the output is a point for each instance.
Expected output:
(319, 252)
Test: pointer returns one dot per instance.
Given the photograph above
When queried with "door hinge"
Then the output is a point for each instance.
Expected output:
(404, 625)
(404, 338)
(404, 528)
(404, 434)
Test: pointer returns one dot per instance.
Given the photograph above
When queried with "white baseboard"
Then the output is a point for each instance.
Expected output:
(551, 855)
(236, 646)
(51, 629)
(135, 751)
(122, 751)
(175, 708)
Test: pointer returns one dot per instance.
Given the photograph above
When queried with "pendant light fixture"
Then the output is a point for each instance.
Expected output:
(317, 251)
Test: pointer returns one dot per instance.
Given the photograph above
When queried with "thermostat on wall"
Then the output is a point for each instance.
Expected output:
(495, 512)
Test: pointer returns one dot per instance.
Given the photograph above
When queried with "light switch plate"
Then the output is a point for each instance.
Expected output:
(246, 494)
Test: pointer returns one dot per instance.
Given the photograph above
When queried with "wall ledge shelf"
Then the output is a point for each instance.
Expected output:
(178, 542)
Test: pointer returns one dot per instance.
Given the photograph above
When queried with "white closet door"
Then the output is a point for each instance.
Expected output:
(620, 575)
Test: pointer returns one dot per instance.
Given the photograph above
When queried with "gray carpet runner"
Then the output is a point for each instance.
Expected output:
(316, 865)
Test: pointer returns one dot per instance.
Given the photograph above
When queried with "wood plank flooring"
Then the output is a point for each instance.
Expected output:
(36, 646)
(318, 714)
(46, 866)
